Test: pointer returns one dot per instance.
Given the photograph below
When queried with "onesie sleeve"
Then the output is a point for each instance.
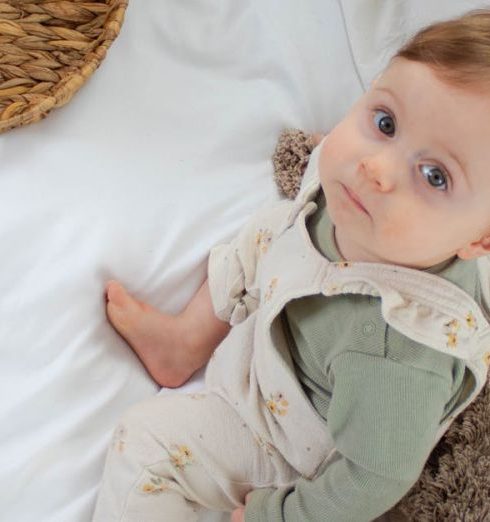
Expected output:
(383, 417)
(232, 267)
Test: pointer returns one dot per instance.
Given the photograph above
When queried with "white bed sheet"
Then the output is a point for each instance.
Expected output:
(164, 153)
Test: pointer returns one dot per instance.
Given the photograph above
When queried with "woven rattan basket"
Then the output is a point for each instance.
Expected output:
(48, 49)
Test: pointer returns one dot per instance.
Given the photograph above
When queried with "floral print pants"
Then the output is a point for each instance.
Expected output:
(174, 455)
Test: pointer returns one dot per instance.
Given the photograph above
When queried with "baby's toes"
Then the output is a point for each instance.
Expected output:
(122, 309)
(117, 295)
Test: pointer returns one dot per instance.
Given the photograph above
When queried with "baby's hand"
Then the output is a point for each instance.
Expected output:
(238, 515)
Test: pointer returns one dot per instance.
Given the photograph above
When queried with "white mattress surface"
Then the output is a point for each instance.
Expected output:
(164, 153)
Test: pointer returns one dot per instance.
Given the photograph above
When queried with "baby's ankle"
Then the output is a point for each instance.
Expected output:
(194, 349)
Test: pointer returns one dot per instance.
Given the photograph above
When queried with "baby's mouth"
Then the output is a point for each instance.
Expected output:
(355, 199)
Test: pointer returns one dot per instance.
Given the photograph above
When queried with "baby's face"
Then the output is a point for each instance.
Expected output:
(414, 153)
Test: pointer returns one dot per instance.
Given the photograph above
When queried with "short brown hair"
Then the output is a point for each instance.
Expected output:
(458, 50)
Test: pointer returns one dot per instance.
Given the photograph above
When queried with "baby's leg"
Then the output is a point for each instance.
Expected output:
(172, 347)
(173, 455)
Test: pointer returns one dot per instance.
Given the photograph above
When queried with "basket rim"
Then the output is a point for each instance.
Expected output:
(63, 91)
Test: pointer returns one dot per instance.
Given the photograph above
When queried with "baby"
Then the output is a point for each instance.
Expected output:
(344, 331)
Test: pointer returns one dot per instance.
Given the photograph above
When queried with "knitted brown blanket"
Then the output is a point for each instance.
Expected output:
(455, 483)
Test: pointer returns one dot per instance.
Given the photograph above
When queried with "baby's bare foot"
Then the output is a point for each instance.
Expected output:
(157, 338)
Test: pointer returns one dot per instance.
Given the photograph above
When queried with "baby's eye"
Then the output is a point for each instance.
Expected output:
(435, 176)
(385, 122)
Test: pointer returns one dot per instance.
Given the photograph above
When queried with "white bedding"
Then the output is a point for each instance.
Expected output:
(164, 153)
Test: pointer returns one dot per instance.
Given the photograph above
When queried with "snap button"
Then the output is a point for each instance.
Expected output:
(368, 328)
(342, 264)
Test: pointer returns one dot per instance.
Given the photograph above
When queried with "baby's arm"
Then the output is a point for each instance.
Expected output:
(383, 418)
(171, 347)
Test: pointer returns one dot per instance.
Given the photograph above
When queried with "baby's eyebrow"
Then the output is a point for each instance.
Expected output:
(388, 91)
(391, 93)
(460, 163)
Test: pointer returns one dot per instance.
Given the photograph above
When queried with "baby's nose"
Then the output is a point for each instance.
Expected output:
(379, 171)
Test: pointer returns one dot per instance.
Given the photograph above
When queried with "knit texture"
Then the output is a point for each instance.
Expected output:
(290, 160)
(455, 483)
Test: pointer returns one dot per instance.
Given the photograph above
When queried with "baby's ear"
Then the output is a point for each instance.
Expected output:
(475, 249)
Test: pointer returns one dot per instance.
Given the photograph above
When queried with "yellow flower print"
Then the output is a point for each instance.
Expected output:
(486, 358)
(277, 404)
(154, 485)
(148, 488)
(453, 325)
(452, 335)
(180, 456)
(471, 321)
(263, 239)
(270, 289)
(452, 340)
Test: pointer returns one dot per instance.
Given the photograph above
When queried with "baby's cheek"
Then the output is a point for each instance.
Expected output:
(344, 147)
(391, 228)
(335, 145)
(331, 158)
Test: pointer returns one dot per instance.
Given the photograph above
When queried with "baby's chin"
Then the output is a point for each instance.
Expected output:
(355, 245)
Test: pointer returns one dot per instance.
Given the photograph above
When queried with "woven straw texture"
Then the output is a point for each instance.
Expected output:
(48, 50)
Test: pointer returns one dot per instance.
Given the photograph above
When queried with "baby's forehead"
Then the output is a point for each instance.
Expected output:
(408, 72)
(417, 87)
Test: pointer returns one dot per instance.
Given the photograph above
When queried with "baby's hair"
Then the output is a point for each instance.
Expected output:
(458, 50)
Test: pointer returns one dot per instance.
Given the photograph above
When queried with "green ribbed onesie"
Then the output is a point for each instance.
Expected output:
(381, 394)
